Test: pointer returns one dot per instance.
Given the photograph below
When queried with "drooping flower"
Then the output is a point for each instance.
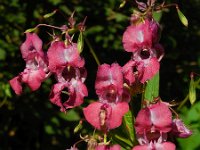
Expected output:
(68, 67)
(32, 44)
(143, 65)
(156, 117)
(141, 36)
(113, 99)
(36, 70)
(74, 91)
(62, 55)
(179, 129)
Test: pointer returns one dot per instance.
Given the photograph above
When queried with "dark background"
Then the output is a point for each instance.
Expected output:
(30, 121)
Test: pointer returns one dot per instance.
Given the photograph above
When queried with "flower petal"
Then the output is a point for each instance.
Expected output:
(16, 84)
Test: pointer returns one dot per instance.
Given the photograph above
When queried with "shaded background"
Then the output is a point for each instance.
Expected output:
(30, 121)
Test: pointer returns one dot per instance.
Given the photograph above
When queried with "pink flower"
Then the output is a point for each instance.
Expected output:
(156, 117)
(113, 99)
(74, 90)
(34, 73)
(106, 147)
(179, 129)
(141, 36)
(105, 116)
(32, 44)
(61, 55)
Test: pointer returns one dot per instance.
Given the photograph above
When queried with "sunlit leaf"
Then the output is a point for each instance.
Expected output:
(157, 15)
(50, 14)
(2, 54)
(30, 30)
(128, 122)
(152, 88)
(192, 91)
(80, 42)
(78, 127)
(122, 4)
(182, 18)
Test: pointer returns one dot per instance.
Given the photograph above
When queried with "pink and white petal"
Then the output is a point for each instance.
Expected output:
(15, 83)
(55, 55)
(165, 146)
(117, 112)
(128, 71)
(137, 37)
(109, 75)
(60, 55)
(143, 121)
(92, 112)
(55, 95)
(32, 44)
(33, 78)
(150, 69)
(161, 117)
(77, 92)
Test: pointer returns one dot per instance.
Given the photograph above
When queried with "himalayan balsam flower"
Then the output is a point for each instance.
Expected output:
(113, 101)
(67, 65)
(179, 129)
(152, 125)
(141, 36)
(36, 70)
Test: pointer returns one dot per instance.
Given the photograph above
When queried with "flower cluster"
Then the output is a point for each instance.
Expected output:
(62, 60)
(114, 85)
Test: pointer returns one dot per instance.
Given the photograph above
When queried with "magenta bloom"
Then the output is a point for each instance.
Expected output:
(179, 129)
(156, 117)
(36, 70)
(113, 99)
(141, 36)
(75, 91)
(106, 147)
(61, 55)
(32, 44)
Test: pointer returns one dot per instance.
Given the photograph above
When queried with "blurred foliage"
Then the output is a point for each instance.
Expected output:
(30, 121)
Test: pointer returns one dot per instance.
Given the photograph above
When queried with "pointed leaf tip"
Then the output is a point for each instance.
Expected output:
(80, 42)
(182, 18)
(50, 14)
(30, 30)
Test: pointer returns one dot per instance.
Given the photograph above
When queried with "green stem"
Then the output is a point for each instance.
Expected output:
(3, 102)
(92, 51)
(183, 102)
(187, 96)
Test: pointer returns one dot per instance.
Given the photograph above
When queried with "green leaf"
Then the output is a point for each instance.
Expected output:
(122, 4)
(192, 91)
(182, 18)
(71, 115)
(49, 129)
(80, 42)
(129, 125)
(2, 54)
(78, 127)
(50, 14)
(157, 15)
(30, 30)
(152, 88)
